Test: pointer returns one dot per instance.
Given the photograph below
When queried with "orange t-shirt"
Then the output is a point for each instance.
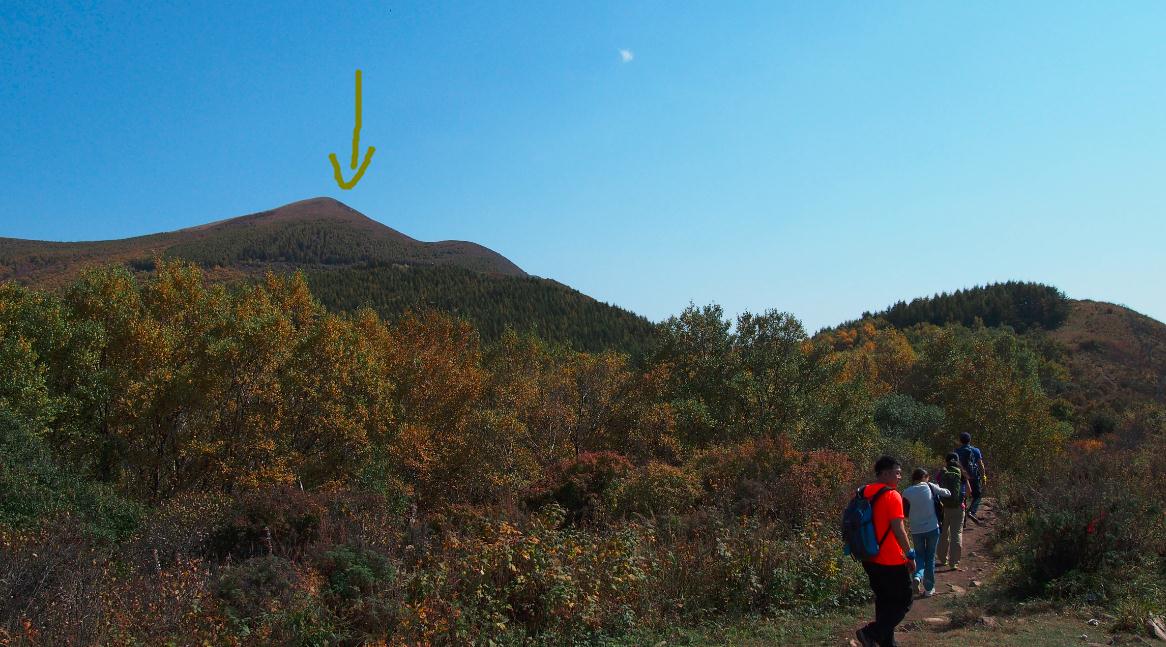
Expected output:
(888, 507)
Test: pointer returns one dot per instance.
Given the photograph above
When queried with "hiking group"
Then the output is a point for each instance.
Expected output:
(899, 564)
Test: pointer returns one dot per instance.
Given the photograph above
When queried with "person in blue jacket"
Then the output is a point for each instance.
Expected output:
(972, 460)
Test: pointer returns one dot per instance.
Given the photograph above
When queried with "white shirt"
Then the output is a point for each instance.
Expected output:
(922, 516)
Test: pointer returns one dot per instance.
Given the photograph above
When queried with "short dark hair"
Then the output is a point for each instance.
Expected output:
(965, 437)
(885, 463)
(953, 458)
(918, 475)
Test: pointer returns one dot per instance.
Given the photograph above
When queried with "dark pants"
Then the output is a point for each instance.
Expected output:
(893, 595)
(977, 495)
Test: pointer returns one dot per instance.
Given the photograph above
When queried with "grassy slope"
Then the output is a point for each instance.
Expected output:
(320, 231)
(1116, 356)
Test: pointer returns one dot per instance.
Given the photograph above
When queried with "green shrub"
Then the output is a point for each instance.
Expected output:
(361, 589)
(900, 416)
(1102, 422)
(354, 572)
(257, 586)
(37, 487)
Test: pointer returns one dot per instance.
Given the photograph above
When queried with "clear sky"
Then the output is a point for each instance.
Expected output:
(820, 158)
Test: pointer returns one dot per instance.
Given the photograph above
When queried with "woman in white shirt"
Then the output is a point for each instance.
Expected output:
(922, 503)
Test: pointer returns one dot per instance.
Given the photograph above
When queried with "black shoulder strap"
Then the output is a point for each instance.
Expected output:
(874, 498)
(883, 490)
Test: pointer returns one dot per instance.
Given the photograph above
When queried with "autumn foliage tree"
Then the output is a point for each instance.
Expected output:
(262, 468)
(988, 384)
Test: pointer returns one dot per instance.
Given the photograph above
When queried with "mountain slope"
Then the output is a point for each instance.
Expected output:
(553, 311)
(1116, 356)
(352, 261)
(316, 232)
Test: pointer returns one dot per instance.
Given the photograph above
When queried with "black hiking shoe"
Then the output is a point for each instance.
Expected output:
(864, 638)
(974, 518)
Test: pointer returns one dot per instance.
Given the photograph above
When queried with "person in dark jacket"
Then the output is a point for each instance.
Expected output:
(972, 460)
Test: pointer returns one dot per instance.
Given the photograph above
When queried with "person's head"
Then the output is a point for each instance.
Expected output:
(953, 460)
(888, 470)
(919, 475)
(965, 438)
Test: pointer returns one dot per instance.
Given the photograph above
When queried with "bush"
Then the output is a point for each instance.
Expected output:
(582, 485)
(359, 588)
(1094, 530)
(535, 583)
(751, 566)
(1102, 422)
(736, 476)
(657, 490)
(770, 478)
(901, 416)
(257, 586)
(280, 520)
(38, 487)
(354, 572)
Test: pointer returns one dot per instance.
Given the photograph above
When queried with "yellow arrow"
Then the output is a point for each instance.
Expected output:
(355, 149)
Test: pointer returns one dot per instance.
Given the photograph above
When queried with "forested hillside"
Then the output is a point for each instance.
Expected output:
(189, 463)
(352, 261)
(1016, 304)
(1110, 362)
(550, 310)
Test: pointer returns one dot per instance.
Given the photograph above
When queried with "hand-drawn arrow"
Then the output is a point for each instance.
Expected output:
(355, 149)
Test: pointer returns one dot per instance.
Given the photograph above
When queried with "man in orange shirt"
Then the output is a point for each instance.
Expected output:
(890, 570)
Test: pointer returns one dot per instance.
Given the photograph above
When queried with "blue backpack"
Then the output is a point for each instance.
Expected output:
(970, 457)
(858, 532)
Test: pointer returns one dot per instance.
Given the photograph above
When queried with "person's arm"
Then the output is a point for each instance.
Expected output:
(899, 528)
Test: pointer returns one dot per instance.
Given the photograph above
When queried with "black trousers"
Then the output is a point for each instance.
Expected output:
(893, 596)
(977, 495)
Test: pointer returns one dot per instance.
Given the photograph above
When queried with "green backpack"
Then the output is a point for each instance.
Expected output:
(952, 479)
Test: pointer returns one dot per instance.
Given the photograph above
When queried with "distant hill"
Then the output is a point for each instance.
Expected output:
(316, 232)
(351, 261)
(1016, 304)
(1116, 356)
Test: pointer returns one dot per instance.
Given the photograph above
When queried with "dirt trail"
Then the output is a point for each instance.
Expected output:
(976, 567)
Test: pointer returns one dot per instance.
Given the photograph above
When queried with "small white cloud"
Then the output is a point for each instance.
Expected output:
(626, 55)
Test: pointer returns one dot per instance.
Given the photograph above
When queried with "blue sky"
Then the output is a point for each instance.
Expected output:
(819, 158)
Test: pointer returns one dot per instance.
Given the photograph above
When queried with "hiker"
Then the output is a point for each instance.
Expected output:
(951, 535)
(925, 512)
(890, 569)
(972, 460)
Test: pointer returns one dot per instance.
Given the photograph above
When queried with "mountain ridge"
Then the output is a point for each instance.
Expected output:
(351, 261)
(316, 231)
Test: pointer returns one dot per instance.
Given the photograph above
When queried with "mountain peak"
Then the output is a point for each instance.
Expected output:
(311, 209)
(312, 233)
